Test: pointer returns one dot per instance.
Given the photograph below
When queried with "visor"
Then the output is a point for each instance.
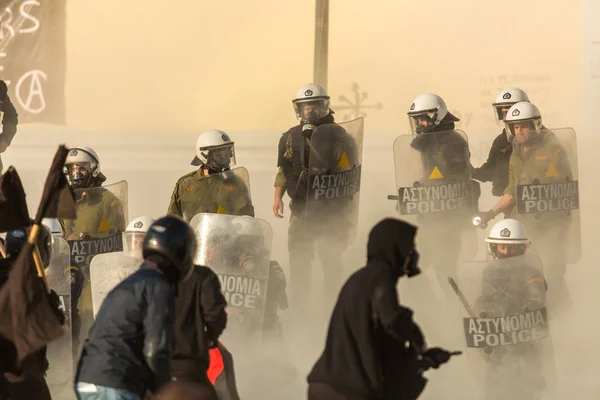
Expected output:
(311, 110)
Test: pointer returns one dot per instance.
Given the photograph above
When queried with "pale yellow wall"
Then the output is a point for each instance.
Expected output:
(464, 50)
(188, 65)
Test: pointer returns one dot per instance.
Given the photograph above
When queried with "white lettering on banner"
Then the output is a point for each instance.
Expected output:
(14, 25)
(35, 91)
(502, 331)
(17, 21)
(26, 15)
(438, 198)
(240, 291)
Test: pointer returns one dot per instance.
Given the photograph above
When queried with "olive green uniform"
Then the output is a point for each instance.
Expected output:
(99, 214)
(546, 161)
(315, 227)
(223, 193)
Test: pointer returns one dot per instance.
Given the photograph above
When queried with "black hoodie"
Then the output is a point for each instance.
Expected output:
(368, 324)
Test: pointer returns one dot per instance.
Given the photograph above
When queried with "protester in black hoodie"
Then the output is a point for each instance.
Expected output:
(26, 381)
(374, 349)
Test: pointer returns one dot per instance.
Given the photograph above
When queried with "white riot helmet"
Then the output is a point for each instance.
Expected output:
(214, 150)
(134, 234)
(427, 112)
(249, 243)
(311, 103)
(506, 99)
(53, 226)
(82, 166)
(521, 117)
(511, 235)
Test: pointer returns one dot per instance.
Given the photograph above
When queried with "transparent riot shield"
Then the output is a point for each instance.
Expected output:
(101, 219)
(108, 270)
(238, 249)
(227, 192)
(435, 192)
(59, 352)
(543, 181)
(101, 212)
(505, 325)
(333, 180)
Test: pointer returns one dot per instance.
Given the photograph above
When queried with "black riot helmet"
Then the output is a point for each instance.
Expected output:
(173, 239)
(16, 239)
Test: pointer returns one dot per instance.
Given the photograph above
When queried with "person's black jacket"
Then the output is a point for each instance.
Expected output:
(200, 318)
(368, 325)
(129, 344)
(495, 169)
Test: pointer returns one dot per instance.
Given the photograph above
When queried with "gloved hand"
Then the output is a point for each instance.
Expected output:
(435, 357)
(482, 218)
(417, 339)
(55, 304)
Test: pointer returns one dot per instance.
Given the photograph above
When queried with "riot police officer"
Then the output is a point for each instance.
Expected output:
(539, 158)
(444, 160)
(134, 234)
(495, 169)
(513, 284)
(311, 231)
(100, 213)
(538, 149)
(214, 187)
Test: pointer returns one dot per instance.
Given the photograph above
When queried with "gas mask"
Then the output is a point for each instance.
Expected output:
(79, 178)
(411, 264)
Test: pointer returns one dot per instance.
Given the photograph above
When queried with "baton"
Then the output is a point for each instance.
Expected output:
(461, 297)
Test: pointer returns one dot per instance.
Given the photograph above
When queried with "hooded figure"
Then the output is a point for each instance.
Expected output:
(373, 342)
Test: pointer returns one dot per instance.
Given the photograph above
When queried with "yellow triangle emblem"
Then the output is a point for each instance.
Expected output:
(343, 161)
(436, 174)
(104, 225)
(552, 171)
(221, 210)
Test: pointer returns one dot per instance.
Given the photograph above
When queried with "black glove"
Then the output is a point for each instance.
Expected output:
(435, 357)
(55, 304)
(417, 338)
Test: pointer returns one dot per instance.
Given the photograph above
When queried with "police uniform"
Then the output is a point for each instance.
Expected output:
(222, 193)
(545, 162)
(446, 151)
(322, 230)
(495, 169)
(509, 291)
(99, 214)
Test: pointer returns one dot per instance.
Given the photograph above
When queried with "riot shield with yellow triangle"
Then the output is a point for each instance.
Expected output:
(102, 216)
(544, 168)
(435, 190)
(333, 184)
